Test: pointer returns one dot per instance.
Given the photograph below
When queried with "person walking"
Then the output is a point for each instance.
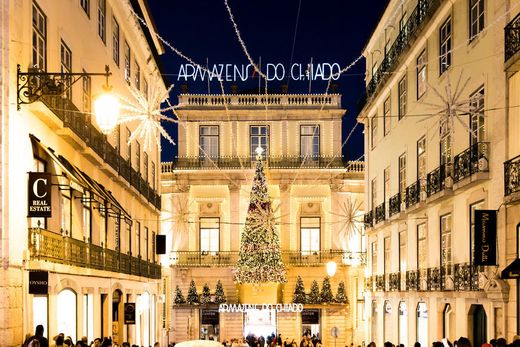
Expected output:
(38, 335)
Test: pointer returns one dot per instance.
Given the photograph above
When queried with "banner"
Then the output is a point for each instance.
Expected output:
(38, 282)
(129, 312)
(485, 236)
(39, 195)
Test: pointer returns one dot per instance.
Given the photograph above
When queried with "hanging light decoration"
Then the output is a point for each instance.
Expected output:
(106, 108)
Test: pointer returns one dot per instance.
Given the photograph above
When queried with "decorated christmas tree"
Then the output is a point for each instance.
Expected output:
(260, 259)
(193, 297)
(341, 297)
(220, 298)
(179, 298)
(314, 296)
(326, 292)
(205, 298)
(299, 292)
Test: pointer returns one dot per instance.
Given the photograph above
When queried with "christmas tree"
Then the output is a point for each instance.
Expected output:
(220, 298)
(205, 298)
(260, 259)
(193, 297)
(299, 292)
(179, 298)
(326, 292)
(341, 297)
(314, 296)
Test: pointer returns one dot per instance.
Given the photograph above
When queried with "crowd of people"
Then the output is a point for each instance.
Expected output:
(272, 340)
(461, 342)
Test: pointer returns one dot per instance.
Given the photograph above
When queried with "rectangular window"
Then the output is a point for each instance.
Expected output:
(374, 69)
(146, 246)
(373, 252)
(137, 76)
(39, 38)
(387, 183)
(117, 233)
(115, 41)
(421, 161)
(85, 5)
(402, 23)
(421, 74)
(310, 228)
(128, 71)
(387, 255)
(209, 234)
(128, 146)
(402, 175)
(445, 46)
(402, 89)
(153, 247)
(403, 250)
(476, 206)
(445, 150)
(153, 175)
(209, 141)
(137, 156)
(373, 132)
(373, 192)
(66, 227)
(128, 237)
(446, 258)
(102, 19)
(476, 18)
(310, 141)
(87, 93)
(145, 166)
(259, 137)
(117, 138)
(66, 67)
(477, 119)
(386, 115)
(138, 238)
(422, 247)
(87, 221)
(103, 235)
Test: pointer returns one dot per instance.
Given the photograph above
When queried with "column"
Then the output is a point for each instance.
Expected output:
(285, 213)
(234, 216)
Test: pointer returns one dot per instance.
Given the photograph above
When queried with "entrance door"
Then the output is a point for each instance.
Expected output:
(117, 317)
(260, 322)
(422, 324)
(477, 328)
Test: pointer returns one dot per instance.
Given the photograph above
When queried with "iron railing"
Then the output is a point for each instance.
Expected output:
(293, 258)
(436, 180)
(369, 284)
(49, 246)
(380, 283)
(413, 194)
(434, 279)
(470, 161)
(512, 176)
(395, 204)
(512, 38)
(466, 277)
(368, 219)
(380, 213)
(81, 125)
(412, 280)
(422, 13)
(394, 281)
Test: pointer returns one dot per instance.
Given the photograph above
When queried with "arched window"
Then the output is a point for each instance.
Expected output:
(422, 324)
(403, 323)
(66, 316)
(387, 316)
(446, 321)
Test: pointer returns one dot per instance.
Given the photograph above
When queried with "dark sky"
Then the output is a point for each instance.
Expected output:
(329, 31)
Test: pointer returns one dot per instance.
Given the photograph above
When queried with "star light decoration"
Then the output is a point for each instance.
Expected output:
(182, 216)
(147, 110)
(350, 219)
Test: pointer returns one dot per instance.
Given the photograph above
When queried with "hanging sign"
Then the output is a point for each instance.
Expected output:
(485, 252)
(39, 195)
(311, 317)
(38, 282)
(210, 317)
(129, 312)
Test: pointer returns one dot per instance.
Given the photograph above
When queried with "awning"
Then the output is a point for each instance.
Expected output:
(512, 270)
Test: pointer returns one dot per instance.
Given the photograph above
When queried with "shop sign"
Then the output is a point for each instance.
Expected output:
(39, 195)
(311, 317)
(38, 282)
(129, 312)
(248, 307)
(485, 252)
(210, 317)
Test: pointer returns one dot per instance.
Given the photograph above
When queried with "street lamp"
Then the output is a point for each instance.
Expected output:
(34, 85)
(331, 268)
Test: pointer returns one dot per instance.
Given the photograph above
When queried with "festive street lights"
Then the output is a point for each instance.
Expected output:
(331, 268)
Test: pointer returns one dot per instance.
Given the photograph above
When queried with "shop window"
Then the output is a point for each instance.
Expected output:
(403, 323)
(40, 312)
(422, 324)
(66, 317)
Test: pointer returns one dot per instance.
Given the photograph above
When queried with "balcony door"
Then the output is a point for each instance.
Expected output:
(309, 235)
(209, 141)
(259, 137)
(310, 142)
(209, 234)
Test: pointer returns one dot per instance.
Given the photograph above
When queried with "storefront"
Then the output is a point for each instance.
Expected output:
(209, 324)
(311, 322)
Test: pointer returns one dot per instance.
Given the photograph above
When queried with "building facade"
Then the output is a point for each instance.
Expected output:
(75, 270)
(316, 195)
(440, 114)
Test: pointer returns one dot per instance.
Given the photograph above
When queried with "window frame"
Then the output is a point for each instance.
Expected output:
(310, 251)
(402, 89)
(66, 59)
(421, 70)
(127, 52)
(102, 20)
(85, 5)
(202, 151)
(267, 136)
(424, 224)
(116, 41)
(387, 121)
(312, 136)
(86, 89)
(402, 167)
(478, 113)
(480, 21)
(445, 45)
(373, 132)
(37, 33)
(209, 251)
(443, 232)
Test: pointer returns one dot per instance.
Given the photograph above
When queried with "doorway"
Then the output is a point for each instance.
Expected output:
(117, 317)
(422, 324)
(260, 322)
(477, 325)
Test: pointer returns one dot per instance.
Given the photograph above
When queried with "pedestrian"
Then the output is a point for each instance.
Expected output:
(463, 342)
(34, 343)
(417, 344)
(38, 335)
(59, 340)
(279, 340)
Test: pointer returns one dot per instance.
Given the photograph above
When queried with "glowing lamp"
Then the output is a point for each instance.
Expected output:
(331, 268)
(106, 109)
(259, 151)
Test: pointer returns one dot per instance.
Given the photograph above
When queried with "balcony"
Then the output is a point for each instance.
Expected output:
(380, 213)
(380, 283)
(83, 128)
(394, 281)
(436, 181)
(472, 160)
(412, 280)
(273, 162)
(368, 219)
(422, 13)
(48, 246)
(413, 195)
(512, 38)
(466, 277)
(394, 205)
(512, 176)
(291, 258)
(434, 279)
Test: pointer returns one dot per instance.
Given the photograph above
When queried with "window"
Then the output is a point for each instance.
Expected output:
(445, 144)
(88, 316)
(402, 89)
(87, 93)
(39, 38)
(128, 146)
(374, 69)
(476, 18)
(259, 136)
(117, 138)
(475, 206)
(209, 234)
(103, 235)
(402, 175)
(117, 233)
(421, 162)
(422, 247)
(38, 222)
(85, 5)
(402, 23)
(128, 71)
(209, 141)
(153, 175)
(87, 221)
(386, 116)
(115, 41)
(102, 19)
(66, 67)
(309, 235)
(387, 48)
(373, 130)
(403, 323)
(66, 212)
(373, 191)
(137, 76)
(310, 141)
(373, 252)
(146, 246)
(138, 238)
(403, 250)
(387, 183)
(477, 119)
(145, 166)
(421, 74)
(138, 156)
(446, 258)
(445, 46)
(128, 237)
(387, 255)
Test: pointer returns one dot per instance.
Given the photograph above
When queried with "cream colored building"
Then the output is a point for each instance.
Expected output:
(97, 248)
(425, 176)
(205, 199)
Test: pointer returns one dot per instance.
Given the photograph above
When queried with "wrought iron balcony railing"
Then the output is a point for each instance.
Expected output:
(466, 277)
(380, 213)
(395, 205)
(433, 279)
(293, 258)
(512, 37)
(369, 283)
(53, 247)
(412, 280)
(413, 194)
(380, 283)
(394, 281)
(512, 176)
(273, 162)
(81, 125)
(368, 219)
(422, 13)
(436, 180)
(473, 159)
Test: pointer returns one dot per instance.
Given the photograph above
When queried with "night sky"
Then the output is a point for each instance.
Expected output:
(329, 31)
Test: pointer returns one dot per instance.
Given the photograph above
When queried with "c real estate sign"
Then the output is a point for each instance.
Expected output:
(39, 195)
(485, 236)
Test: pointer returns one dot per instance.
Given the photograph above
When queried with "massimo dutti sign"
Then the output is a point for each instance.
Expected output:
(38, 282)
(39, 195)
(485, 252)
